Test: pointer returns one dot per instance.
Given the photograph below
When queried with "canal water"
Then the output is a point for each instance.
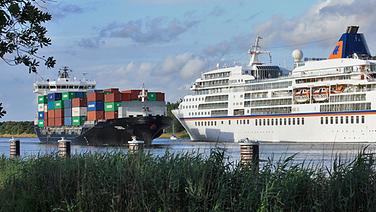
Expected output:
(314, 153)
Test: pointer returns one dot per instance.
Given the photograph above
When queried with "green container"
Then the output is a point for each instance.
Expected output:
(67, 95)
(78, 120)
(152, 96)
(42, 99)
(59, 104)
(40, 123)
(111, 106)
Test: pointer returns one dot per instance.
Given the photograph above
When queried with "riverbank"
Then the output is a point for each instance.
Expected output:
(182, 134)
(185, 182)
(18, 135)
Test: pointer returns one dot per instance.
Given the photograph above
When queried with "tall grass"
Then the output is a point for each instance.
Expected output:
(182, 182)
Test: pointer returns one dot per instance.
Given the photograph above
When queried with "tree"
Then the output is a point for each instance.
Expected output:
(22, 33)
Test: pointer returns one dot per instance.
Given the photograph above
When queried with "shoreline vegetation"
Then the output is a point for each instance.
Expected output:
(183, 182)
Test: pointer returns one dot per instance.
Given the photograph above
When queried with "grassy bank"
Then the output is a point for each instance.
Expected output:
(141, 182)
(23, 135)
(182, 134)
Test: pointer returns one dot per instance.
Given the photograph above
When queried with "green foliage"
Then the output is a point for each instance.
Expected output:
(22, 33)
(16, 127)
(185, 182)
(175, 123)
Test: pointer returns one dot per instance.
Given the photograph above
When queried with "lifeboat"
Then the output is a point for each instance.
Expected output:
(337, 89)
(302, 96)
(320, 94)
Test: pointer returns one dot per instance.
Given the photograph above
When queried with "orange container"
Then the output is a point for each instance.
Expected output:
(95, 115)
(125, 97)
(59, 113)
(111, 115)
(51, 114)
(95, 96)
(112, 97)
(160, 96)
(59, 122)
(51, 122)
(78, 102)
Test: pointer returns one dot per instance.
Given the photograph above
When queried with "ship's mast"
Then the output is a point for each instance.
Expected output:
(254, 52)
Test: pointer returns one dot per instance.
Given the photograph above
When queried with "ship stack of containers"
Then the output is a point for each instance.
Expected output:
(54, 117)
(67, 98)
(95, 105)
(42, 114)
(79, 109)
(112, 99)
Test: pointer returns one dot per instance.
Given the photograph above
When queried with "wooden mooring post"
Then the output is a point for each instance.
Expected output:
(14, 148)
(64, 148)
(134, 145)
(249, 152)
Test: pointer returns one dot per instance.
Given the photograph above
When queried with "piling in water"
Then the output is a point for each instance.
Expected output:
(134, 145)
(14, 148)
(64, 147)
(249, 152)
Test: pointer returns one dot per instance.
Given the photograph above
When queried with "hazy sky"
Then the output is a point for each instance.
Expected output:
(166, 44)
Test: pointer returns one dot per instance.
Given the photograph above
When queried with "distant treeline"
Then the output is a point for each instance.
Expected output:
(16, 127)
(175, 123)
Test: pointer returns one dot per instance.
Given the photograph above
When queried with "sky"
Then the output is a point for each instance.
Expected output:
(167, 44)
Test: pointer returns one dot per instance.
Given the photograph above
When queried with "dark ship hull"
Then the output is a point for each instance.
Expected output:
(109, 132)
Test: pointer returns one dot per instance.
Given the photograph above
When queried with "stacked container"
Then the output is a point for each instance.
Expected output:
(112, 98)
(95, 105)
(67, 98)
(79, 109)
(42, 115)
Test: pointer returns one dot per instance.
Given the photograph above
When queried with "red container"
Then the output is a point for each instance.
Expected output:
(51, 114)
(95, 96)
(51, 122)
(160, 96)
(78, 102)
(110, 115)
(59, 122)
(112, 90)
(95, 115)
(112, 97)
(125, 97)
(59, 113)
(134, 94)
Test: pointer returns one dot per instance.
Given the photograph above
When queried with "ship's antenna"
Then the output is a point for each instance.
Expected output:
(143, 93)
(255, 50)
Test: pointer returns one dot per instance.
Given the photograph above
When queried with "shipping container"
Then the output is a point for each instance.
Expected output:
(68, 95)
(67, 121)
(111, 90)
(95, 96)
(125, 97)
(59, 113)
(67, 112)
(112, 97)
(59, 122)
(59, 104)
(79, 102)
(51, 105)
(42, 99)
(111, 106)
(51, 114)
(160, 96)
(152, 96)
(122, 112)
(95, 115)
(79, 111)
(51, 122)
(81, 95)
(40, 107)
(40, 115)
(134, 94)
(95, 106)
(110, 115)
(54, 96)
(67, 103)
(78, 120)
(40, 123)
(45, 108)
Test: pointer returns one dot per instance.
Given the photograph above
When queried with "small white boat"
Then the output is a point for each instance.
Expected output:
(173, 137)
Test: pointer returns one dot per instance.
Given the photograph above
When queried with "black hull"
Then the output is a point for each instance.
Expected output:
(110, 132)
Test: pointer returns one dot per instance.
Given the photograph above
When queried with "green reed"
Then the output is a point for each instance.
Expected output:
(183, 182)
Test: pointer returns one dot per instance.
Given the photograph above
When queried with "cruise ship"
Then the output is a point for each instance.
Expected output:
(319, 100)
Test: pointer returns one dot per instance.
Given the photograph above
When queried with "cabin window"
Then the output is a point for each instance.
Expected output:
(302, 121)
(221, 122)
(352, 119)
(264, 122)
(347, 119)
(268, 122)
(229, 122)
(363, 120)
(326, 120)
(272, 122)
(322, 120)
(285, 121)
(336, 119)
(256, 122)
(357, 119)
(289, 121)
(280, 121)
(331, 120)
(298, 121)
(341, 119)
(248, 121)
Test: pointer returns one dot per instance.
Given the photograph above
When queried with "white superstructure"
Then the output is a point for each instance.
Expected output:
(331, 100)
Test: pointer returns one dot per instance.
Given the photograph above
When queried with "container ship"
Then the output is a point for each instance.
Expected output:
(320, 100)
(75, 110)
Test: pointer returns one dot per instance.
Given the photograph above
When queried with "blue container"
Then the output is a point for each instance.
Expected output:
(51, 105)
(95, 106)
(54, 96)
(67, 104)
(41, 115)
(67, 112)
(67, 121)
(80, 95)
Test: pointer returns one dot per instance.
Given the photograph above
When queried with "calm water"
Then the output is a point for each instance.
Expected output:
(317, 153)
